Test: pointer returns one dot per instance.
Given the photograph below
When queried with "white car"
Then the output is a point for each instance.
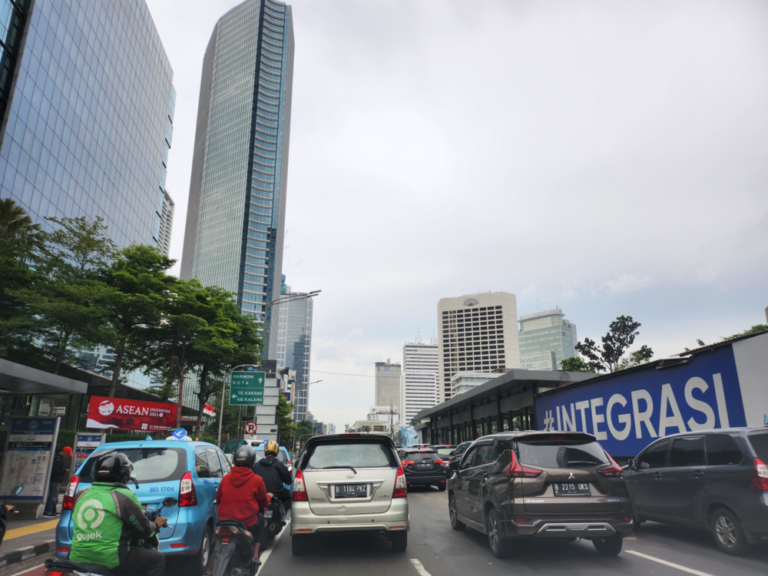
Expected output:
(347, 483)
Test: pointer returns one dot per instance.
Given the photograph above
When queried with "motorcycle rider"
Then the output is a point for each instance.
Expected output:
(274, 473)
(242, 496)
(107, 516)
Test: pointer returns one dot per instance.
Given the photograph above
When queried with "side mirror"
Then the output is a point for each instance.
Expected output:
(170, 502)
(631, 463)
(454, 465)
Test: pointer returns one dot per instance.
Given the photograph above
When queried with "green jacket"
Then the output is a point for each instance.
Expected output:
(106, 517)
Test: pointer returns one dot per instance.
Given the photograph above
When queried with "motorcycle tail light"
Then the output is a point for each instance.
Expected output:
(69, 496)
(187, 495)
(54, 573)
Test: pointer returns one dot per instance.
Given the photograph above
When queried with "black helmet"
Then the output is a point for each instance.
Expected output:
(113, 467)
(245, 456)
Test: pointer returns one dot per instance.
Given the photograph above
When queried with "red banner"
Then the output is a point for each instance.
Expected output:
(125, 414)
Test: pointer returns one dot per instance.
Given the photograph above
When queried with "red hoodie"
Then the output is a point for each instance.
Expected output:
(241, 495)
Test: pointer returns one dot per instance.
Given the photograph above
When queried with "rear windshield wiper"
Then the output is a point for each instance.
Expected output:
(336, 467)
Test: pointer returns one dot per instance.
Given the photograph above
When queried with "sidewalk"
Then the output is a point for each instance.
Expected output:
(25, 538)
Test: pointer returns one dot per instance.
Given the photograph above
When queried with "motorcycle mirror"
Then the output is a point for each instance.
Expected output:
(135, 481)
(170, 502)
(16, 491)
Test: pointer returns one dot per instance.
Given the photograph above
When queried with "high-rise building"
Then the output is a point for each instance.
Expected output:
(478, 333)
(465, 381)
(87, 107)
(237, 193)
(165, 224)
(294, 345)
(388, 384)
(421, 379)
(546, 339)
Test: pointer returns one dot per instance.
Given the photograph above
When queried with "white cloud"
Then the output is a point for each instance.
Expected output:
(627, 283)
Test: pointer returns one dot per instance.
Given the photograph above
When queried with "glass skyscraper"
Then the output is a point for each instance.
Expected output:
(87, 100)
(294, 347)
(236, 213)
(546, 339)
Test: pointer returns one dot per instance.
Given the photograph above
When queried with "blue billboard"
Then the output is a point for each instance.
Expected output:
(628, 411)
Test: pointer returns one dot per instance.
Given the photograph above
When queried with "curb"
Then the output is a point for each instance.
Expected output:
(26, 553)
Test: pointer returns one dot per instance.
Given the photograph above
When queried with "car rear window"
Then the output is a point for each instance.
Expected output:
(280, 456)
(343, 454)
(149, 464)
(759, 441)
(561, 455)
(420, 457)
(445, 451)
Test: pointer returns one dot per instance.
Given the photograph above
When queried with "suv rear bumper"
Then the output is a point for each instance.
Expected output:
(303, 521)
(570, 528)
(417, 480)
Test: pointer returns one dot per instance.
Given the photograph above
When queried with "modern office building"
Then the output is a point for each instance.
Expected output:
(478, 333)
(546, 339)
(388, 384)
(87, 107)
(294, 346)
(465, 381)
(165, 223)
(237, 194)
(420, 389)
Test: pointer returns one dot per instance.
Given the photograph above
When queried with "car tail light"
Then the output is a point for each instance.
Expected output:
(187, 495)
(760, 481)
(69, 495)
(408, 462)
(401, 490)
(439, 462)
(62, 549)
(612, 471)
(516, 470)
(299, 489)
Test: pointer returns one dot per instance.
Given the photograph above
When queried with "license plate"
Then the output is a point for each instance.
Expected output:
(571, 489)
(424, 467)
(268, 513)
(351, 490)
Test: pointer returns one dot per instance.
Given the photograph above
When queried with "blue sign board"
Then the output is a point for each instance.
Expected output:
(33, 426)
(629, 411)
(180, 433)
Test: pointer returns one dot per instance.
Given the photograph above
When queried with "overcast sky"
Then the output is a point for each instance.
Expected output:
(605, 157)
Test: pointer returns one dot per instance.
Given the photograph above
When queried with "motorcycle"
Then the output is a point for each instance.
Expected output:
(274, 514)
(4, 509)
(57, 567)
(233, 550)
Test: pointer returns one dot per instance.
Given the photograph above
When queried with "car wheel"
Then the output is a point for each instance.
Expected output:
(456, 524)
(495, 541)
(399, 541)
(728, 532)
(198, 564)
(299, 544)
(609, 546)
(442, 487)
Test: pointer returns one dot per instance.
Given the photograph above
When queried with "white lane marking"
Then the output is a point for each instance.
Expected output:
(419, 568)
(670, 564)
(265, 556)
(28, 569)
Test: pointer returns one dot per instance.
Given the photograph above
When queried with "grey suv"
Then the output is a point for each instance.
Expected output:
(540, 485)
(713, 478)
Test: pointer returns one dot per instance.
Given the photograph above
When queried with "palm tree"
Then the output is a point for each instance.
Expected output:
(16, 223)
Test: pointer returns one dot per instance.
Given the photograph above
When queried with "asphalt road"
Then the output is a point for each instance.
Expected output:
(435, 549)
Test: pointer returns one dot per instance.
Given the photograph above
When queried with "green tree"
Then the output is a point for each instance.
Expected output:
(304, 430)
(66, 304)
(285, 425)
(576, 365)
(621, 335)
(139, 288)
(754, 330)
(16, 336)
(16, 223)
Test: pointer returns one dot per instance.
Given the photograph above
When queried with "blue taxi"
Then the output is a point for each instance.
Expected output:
(189, 471)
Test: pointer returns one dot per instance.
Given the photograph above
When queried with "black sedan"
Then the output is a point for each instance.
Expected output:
(424, 467)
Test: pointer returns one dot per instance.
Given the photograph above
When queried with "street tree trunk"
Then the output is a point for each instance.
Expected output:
(202, 398)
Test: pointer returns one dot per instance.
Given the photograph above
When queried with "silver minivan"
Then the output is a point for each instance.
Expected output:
(346, 483)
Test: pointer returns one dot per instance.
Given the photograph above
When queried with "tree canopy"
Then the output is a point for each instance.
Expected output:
(615, 344)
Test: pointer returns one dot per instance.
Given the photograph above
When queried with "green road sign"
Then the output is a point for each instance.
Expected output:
(247, 388)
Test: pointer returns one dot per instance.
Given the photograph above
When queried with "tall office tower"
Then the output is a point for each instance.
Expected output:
(421, 379)
(388, 384)
(294, 345)
(478, 333)
(546, 339)
(87, 100)
(236, 214)
(165, 224)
